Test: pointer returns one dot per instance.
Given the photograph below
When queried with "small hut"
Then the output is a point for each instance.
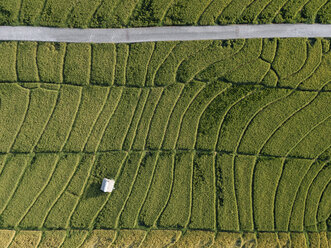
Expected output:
(107, 185)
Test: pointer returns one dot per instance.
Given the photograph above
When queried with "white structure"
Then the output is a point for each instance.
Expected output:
(107, 185)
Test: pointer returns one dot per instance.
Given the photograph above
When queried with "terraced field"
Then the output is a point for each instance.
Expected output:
(220, 136)
(116, 13)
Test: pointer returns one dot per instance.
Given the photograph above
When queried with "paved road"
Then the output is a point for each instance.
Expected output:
(128, 35)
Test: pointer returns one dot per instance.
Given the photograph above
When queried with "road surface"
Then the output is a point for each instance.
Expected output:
(172, 33)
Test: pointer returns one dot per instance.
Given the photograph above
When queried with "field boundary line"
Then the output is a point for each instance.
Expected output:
(118, 218)
(166, 150)
(306, 104)
(100, 116)
(49, 118)
(192, 98)
(219, 14)
(97, 118)
(285, 158)
(205, 8)
(135, 124)
(308, 193)
(137, 220)
(163, 61)
(27, 162)
(74, 119)
(51, 176)
(301, 6)
(24, 116)
(141, 97)
(79, 159)
(87, 178)
(300, 186)
(201, 70)
(105, 127)
(166, 203)
(225, 115)
(168, 33)
(319, 202)
(203, 110)
(117, 176)
(136, 132)
(221, 79)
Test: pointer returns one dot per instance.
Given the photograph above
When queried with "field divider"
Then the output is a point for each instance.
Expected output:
(164, 150)
(262, 85)
(170, 33)
(300, 185)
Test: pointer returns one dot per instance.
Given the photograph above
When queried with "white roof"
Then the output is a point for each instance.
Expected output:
(108, 185)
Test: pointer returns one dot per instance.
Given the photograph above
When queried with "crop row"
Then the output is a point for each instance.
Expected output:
(184, 189)
(133, 13)
(194, 116)
(159, 238)
(291, 63)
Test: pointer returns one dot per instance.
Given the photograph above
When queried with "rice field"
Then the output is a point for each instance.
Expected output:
(211, 143)
(158, 238)
(208, 141)
(136, 13)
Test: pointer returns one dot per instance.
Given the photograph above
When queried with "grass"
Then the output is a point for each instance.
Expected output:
(6, 237)
(77, 64)
(134, 13)
(129, 215)
(50, 57)
(177, 210)
(60, 178)
(158, 238)
(210, 142)
(8, 54)
(26, 58)
(103, 64)
(167, 63)
(203, 193)
(29, 239)
(159, 191)
(74, 238)
(100, 238)
(39, 172)
(52, 239)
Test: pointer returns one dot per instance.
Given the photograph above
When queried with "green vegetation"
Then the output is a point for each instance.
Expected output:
(201, 137)
(203, 192)
(28, 239)
(50, 58)
(160, 238)
(253, 61)
(178, 208)
(8, 57)
(103, 64)
(74, 238)
(77, 64)
(52, 239)
(134, 13)
(100, 238)
(6, 237)
(159, 191)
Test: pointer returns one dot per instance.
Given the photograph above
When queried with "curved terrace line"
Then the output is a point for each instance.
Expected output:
(174, 33)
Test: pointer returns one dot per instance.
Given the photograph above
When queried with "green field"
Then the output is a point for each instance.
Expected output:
(158, 238)
(211, 143)
(134, 13)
